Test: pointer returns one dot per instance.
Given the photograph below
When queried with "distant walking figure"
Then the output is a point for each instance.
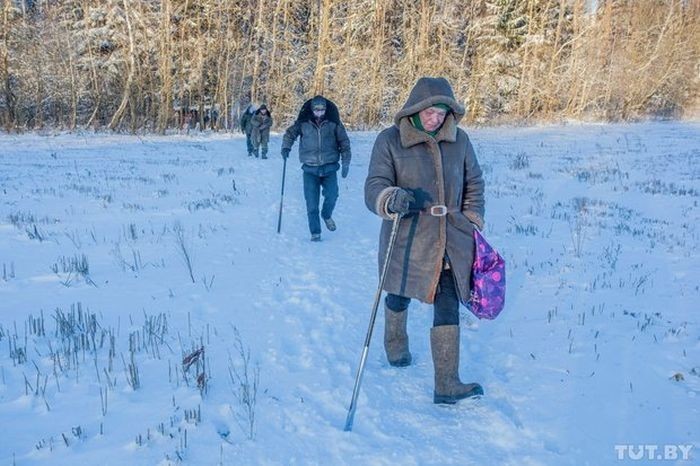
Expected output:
(260, 130)
(247, 128)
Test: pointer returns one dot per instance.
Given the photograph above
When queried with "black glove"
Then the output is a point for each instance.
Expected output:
(285, 153)
(344, 171)
(400, 201)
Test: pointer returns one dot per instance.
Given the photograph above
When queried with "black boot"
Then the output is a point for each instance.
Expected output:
(444, 342)
(396, 338)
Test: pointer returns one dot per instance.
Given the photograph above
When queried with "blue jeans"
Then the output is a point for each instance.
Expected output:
(445, 307)
(312, 192)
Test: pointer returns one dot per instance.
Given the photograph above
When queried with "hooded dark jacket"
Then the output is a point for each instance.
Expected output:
(439, 170)
(322, 144)
(246, 117)
(260, 126)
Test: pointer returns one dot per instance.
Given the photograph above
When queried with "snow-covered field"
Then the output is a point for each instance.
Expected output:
(150, 313)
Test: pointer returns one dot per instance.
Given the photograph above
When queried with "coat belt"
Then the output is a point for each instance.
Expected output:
(440, 210)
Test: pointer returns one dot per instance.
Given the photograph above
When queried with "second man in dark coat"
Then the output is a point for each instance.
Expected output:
(260, 130)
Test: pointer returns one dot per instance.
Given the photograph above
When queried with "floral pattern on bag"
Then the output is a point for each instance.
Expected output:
(488, 281)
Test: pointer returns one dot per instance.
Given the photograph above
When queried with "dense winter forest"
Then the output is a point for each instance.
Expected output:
(154, 65)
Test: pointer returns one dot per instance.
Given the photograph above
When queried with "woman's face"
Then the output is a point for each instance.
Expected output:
(432, 117)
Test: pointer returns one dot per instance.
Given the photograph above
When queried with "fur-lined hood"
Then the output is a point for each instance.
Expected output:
(426, 93)
(306, 114)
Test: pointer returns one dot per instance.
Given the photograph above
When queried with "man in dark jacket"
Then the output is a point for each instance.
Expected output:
(324, 146)
(247, 128)
(424, 168)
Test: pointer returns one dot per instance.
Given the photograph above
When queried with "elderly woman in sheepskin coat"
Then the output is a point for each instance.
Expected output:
(424, 168)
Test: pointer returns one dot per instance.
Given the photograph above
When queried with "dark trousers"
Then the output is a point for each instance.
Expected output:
(446, 306)
(259, 140)
(249, 142)
(257, 147)
(312, 192)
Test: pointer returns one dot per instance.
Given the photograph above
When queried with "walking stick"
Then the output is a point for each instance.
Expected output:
(284, 173)
(373, 317)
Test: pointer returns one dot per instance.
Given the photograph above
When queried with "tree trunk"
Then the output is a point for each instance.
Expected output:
(119, 114)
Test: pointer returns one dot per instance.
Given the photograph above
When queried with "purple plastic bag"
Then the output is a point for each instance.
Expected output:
(488, 282)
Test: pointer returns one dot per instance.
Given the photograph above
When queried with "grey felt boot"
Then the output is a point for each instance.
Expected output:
(396, 338)
(444, 342)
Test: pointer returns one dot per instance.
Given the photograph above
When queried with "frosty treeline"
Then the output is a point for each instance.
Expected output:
(160, 64)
